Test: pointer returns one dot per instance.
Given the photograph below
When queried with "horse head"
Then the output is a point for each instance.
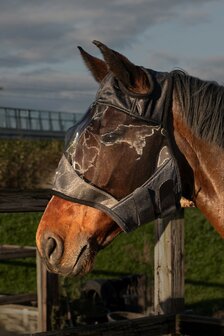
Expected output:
(124, 164)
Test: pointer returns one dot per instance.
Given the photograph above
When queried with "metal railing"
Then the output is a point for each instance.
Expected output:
(14, 120)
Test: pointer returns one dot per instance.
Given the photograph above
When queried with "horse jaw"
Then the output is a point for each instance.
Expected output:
(82, 231)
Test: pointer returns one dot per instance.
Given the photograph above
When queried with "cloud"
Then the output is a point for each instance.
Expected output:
(48, 90)
(164, 61)
(47, 31)
(207, 68)
(39, 65)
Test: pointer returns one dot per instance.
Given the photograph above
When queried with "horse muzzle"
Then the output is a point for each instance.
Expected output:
(70, 235)
(58, 260)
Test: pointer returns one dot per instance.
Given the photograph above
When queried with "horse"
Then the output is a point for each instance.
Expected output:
(150, 142)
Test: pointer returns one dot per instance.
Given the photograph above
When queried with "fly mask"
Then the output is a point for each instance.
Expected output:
(159, 194)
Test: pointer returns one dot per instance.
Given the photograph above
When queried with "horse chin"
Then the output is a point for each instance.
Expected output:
(84, 261)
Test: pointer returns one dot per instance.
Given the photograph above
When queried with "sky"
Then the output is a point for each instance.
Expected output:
(40, 64)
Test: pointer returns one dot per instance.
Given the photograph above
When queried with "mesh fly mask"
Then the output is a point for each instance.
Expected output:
(159, 195)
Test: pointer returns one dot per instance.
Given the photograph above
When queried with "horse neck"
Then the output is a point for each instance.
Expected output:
(206, 162)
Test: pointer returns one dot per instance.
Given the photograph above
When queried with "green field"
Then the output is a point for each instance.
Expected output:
(129, 253)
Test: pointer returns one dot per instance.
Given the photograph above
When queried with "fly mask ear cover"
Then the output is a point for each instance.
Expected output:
(160, 195)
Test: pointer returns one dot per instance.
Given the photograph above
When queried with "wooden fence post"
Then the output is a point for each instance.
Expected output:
(47, 297)
(169, 266)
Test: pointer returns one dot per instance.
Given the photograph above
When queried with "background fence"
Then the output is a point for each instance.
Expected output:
(35, 123)
(168, 279)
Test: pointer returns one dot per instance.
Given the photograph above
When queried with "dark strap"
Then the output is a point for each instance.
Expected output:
(143, 198)
(168, 102)
(167, 199)
(136, 209)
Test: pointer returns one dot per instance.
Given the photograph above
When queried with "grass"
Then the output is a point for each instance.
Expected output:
(204, 260)
(18, 275)
(129, 253)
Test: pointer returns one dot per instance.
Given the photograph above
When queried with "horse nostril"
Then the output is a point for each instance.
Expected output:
(51, 245)
(53, 249)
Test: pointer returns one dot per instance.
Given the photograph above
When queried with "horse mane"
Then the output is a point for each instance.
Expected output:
(202, 105)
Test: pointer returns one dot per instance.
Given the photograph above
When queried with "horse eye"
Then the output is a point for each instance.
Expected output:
(110, 137)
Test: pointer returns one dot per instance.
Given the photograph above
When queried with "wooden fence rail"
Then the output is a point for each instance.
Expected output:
(15, 251)
(154, 326)
(18, 298)
(24, 200)
(199, 325)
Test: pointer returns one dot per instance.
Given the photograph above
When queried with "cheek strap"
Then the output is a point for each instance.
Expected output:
(167, 203)
(158, 197)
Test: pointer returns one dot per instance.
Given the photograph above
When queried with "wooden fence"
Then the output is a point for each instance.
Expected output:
(12, 201)
(168, 324)
(169, 267)
(168, 281)
(168, 263)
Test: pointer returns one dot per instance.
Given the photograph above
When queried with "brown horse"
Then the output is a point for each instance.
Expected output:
(155, 136)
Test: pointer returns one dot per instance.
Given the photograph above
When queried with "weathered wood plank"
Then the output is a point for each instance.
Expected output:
(18, 319)
(41, 294)
(169, 266)
(24, 200)
(47, 296)
(199, 325)
(153, 326)
(19, 298)
(15, 251)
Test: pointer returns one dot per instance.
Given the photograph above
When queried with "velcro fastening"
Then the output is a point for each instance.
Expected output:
(167, 199)
(143, 198)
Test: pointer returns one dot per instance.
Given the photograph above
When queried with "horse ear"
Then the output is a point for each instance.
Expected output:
(131, 76)
(97, 67)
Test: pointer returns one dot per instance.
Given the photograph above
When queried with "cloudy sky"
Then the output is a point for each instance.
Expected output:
(40, 65)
